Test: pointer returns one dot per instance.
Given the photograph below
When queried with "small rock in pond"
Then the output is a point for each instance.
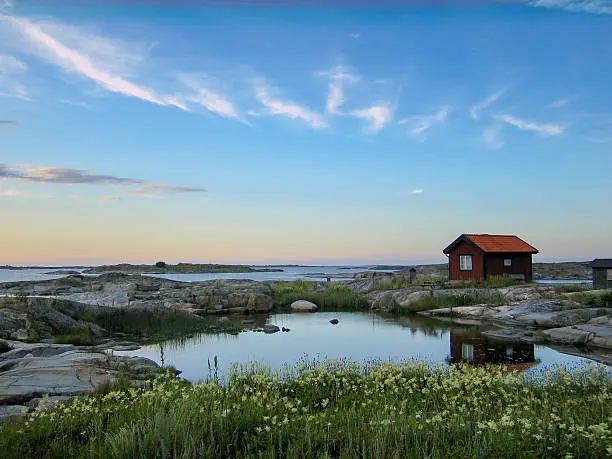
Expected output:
(270, 328)
(303, 306)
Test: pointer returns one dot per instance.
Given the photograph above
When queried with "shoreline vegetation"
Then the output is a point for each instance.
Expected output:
(332, 409)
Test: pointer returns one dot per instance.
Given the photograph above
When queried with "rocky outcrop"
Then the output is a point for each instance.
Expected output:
(368, 281)
(119, 290)
(303, 306)
(12, 413)
(596, 332)
(537, 313)
(31, 371)
(11, 323)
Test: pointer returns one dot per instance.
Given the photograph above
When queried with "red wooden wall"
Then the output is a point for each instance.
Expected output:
(465, 248)
(521, 264)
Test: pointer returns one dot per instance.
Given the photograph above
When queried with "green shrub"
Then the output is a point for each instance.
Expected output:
(336, 297)
(76, 337)
(593, 299)
(4, 346)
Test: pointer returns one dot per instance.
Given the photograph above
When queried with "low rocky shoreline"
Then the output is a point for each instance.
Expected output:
(38, 376)
(119, 312)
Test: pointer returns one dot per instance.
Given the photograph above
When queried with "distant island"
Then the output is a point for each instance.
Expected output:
(22, 268)
(181, 268)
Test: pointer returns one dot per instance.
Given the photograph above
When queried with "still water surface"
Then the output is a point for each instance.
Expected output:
(359, 337)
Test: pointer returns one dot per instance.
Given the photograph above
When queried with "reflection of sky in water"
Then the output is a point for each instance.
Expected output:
(359, 337)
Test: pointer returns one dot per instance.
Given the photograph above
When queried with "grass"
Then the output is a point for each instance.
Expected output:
(571, 288)
(451, 301)
(334, 409)
(156, 323)
(491, 282)
(4, 346)
(336, 297)
(594, 299)
(401, 282)
(76, 337)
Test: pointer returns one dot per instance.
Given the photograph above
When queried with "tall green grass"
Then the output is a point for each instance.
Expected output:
(76, 337)
(148, 322)
(334, 297)
(334, 409)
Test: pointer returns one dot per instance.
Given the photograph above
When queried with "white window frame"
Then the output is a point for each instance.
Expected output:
(609, 274)
(466, 262)
(467, 352)
(507, 262)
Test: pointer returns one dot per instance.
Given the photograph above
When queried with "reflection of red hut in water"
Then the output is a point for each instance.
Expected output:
(477, 349)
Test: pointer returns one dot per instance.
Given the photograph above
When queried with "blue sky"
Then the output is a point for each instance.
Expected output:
(321, 133)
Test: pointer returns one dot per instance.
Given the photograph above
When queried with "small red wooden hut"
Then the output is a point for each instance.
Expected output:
(480, 256)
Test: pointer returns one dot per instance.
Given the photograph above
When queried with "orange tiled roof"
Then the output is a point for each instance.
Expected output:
(494, 243)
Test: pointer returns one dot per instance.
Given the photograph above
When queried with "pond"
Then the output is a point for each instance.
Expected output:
(360, 337)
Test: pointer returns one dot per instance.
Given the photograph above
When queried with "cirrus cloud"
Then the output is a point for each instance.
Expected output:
(69, 176)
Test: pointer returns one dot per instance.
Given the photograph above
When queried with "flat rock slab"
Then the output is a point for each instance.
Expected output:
(595, 333)
(72, 372)
(562, 318)
(12, 413)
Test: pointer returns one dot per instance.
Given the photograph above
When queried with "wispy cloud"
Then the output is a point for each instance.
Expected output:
(377, 116)
(548, 129)
(80, 59)
(338, 76)
(209, 99)
(491, 137)
(112, 198)
(11, 193)
(154, 189)
(7, 122)
(476, 109)
(575, 6)
(61, 175)
(417, 191)
(76, 103)
(561, 102)
(421, 124)
(11, 69)
(68, 176)
(355, 36)
(276, 106)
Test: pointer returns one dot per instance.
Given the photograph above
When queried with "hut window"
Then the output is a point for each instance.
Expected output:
(609, 277)
(465, 262)
(508, 262)
(467, 352)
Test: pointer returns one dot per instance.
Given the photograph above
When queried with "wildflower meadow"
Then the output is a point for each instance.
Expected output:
(333, 409)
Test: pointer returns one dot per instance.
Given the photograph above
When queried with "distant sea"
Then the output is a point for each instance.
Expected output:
(289, 273)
